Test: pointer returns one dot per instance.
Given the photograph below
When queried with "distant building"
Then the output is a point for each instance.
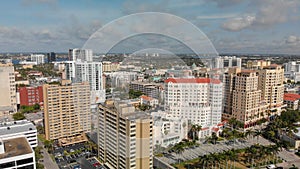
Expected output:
(197, 99)
(16, 153)
(110, 66)
(150, 89)
(67, 112)
(37, 58)
(21, 128)
(292, 71)
(51, 57)
(226, 62)
(124, 136)
(146, 100)
(122, 79)
(8, 89)
(31, 95)
(257, 64)
(80, 55)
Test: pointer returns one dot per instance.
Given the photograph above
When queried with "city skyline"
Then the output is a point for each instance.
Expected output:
(233, 26)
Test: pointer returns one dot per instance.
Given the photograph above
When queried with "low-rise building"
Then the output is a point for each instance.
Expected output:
(16, 153)
(291, 100)
(168, 130)
(146, 100)
(21, 128)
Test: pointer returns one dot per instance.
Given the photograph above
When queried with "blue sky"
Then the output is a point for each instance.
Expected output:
(233, 26)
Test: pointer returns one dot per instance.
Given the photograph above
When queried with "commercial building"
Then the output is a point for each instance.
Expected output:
(124, 136)
(226, 62)
(16, 153)
(51, 57)
(80, 55)
(197, 99)
(8, 89)
(168, 130)
(67, 112)
(78, 71)
(31, 95)
(37, 58)
(21, 128)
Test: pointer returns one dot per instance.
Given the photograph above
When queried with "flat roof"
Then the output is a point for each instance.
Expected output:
(16, 127)
(15, 147)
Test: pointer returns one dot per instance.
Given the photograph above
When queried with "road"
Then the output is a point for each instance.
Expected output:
(47, 161)
(290, 159)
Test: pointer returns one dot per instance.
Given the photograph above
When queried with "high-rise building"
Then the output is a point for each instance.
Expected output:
(197, 99)
(67, 112)
(8, 89)
(16, 153)
(251, 95)
(271, 85)
(31, 95)
(78, 72)
(51, 57)
(124, 136)
(37, 58)
(227, 62)
(80, 55)
(21, 128)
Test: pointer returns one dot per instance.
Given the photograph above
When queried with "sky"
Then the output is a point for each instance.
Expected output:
(233, 26)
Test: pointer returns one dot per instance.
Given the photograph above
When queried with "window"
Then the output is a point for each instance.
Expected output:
(25, 161)
(7, 165)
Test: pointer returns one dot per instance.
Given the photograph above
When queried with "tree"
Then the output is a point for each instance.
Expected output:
(18, 116)
(49, 145)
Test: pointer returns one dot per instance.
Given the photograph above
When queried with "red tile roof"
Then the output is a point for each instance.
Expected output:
(144, 97)
(291, 97)
(193, 80)
(215, 129)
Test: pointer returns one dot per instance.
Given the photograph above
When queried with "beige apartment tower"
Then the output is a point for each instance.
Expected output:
(8, 89)
(67, 112)
(124, 136)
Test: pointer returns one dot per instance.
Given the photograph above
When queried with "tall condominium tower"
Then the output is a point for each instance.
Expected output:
(80, 54)
(8, 89)
(78, 71)
(197, 99)
(124, 136)
(67, 112)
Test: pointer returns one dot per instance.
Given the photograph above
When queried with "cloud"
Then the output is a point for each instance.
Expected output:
(238, 24)
(218, 16)
(292, 40)
(267, 14)
(225, 3)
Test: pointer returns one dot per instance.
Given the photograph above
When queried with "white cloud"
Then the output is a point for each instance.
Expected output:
(292, 40)
(218, 16)
(238, 24)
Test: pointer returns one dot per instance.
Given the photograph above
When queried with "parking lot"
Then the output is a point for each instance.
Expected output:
(76, 156)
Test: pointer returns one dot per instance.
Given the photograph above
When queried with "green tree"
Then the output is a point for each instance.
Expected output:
(18, 116)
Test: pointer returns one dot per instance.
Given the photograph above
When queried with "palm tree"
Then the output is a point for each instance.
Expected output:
(249, 132)
(257, 134)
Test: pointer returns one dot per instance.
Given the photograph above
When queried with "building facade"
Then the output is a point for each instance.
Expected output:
(80, 55)
(37, 58)
(150, 89)
(31, 95)
(227, 62)
(8, 89)
(21, 128)
(124, 136)
(67, 112)
(51, 57)
(91, 72)
(16, 153)
(197, 99)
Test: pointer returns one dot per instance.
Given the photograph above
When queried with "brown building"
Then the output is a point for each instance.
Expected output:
(124, 136)
(67, 112)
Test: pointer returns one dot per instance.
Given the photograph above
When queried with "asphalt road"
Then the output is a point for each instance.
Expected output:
(47, 161)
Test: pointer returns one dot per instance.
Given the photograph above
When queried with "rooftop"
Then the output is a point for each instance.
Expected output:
(291, 97)
(15, 147)
(193, 80)
(16, 127)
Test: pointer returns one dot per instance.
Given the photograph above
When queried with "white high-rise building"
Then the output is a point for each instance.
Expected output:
(37, 58)
(197, 99)
(80, 55)
(226, 62)
(78, 72)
